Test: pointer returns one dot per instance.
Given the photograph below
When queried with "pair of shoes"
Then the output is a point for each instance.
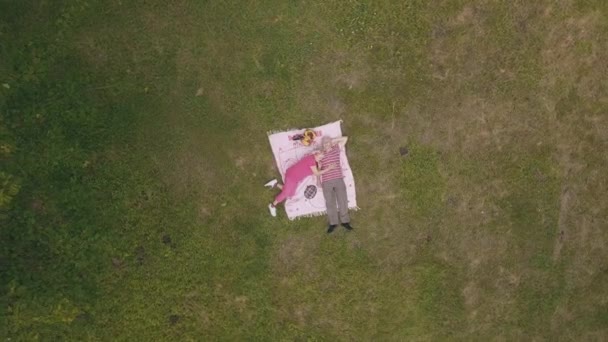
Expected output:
(273, 210)
(331, 228)
(347, 226)
(271, 184)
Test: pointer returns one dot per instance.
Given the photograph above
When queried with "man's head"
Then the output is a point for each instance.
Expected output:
(326, 142)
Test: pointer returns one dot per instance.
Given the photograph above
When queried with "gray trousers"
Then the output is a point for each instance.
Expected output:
(336, 201)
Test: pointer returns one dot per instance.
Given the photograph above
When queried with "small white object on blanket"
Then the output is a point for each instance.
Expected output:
(309, 200)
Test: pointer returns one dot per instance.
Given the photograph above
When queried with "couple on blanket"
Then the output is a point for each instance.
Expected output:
(324, 164)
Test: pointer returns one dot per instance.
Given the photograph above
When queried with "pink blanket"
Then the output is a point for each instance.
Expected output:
(309, 200)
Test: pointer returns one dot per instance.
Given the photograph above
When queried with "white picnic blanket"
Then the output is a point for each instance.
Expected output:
(287, 151)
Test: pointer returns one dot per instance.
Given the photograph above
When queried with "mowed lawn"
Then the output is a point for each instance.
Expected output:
(133, 151)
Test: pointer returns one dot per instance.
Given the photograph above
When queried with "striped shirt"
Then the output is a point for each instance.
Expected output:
(332, 157)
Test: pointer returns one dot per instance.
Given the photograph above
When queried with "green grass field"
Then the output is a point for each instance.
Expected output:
(133, 151)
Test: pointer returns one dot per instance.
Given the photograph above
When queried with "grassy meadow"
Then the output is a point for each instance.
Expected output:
(133, 151)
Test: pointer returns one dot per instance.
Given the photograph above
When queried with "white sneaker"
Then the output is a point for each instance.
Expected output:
(271, 184)
(273, 210)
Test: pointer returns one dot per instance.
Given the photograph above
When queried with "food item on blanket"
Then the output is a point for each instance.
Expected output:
(307, 138)
(310, 192)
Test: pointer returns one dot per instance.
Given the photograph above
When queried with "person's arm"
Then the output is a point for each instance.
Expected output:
(340, 141)
(317, 172)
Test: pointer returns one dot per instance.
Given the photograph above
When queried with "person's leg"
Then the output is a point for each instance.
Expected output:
(287, 190)
(342, 198)
(275, 202)
(330, 203)
(284, 194)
